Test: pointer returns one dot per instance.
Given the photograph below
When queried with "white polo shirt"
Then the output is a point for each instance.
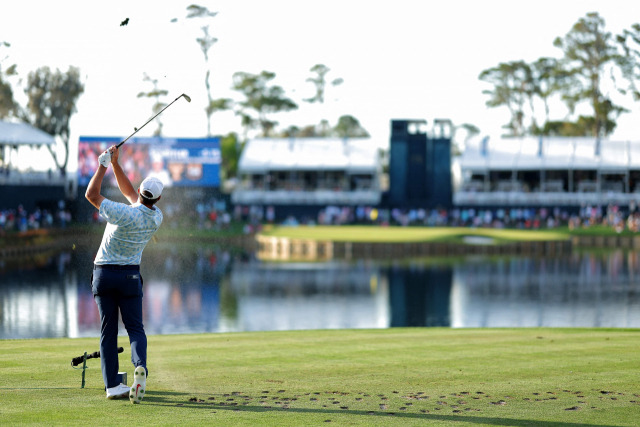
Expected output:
(129, 229)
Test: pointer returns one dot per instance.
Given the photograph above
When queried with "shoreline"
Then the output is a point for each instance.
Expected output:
(293, 249)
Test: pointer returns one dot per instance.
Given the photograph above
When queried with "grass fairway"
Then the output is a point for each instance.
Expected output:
(413, 376)
(352, 233)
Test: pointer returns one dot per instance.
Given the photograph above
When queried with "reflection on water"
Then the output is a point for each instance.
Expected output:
(587, 290)
(198, 289)
(310, 296)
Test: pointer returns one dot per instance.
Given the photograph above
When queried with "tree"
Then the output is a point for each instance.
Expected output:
(52, 98)
(549, 77)
(349, 127)
(512, 87)
(309, 131)
(293, 131)
(205, 42)
(155, 93)
(261, 100)
(8, 106)
(582, 126)
(220, 104)
(319, 82)
(230, 149)
(470, 130)
(589, 51)
(629, 62)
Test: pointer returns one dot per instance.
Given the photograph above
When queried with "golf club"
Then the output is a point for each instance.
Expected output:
(137, 129)
(95, 355)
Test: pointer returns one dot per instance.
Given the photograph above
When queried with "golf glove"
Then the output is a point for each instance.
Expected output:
(105, 159)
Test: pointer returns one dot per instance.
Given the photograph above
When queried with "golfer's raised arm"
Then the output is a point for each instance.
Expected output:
(93, 189)
(124, 184)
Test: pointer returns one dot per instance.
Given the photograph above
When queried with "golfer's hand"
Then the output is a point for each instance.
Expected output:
(109, 156)
(114, 154)
(105, 158)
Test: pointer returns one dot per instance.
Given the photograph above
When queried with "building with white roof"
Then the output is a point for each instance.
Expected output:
(309, 171)
(548, 171)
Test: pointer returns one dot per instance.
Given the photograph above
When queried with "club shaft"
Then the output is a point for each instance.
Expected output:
(148, 121)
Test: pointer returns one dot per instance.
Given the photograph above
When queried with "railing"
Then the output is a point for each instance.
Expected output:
(509, 198)
(317, 197)
(587, 187)
(32, 178)
(552, 186)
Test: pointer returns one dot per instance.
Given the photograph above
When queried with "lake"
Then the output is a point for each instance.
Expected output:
(202, 288)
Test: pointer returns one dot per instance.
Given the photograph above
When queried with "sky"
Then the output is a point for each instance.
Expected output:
(399, 59)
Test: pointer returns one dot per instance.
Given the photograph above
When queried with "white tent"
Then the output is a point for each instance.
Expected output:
(305, 154)
(13, 136)
(534, 153)
(23, 134)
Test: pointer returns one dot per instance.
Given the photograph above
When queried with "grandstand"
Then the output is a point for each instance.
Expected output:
(309, 171)
(546, 171)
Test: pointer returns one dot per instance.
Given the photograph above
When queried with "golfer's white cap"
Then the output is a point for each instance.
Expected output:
(153, 185)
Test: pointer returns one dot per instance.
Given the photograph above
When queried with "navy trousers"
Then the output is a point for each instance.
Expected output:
(117, 289)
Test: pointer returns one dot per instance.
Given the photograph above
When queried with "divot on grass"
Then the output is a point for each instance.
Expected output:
(401, 403)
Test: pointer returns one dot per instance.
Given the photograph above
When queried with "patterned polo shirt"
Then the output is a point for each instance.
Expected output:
(129, 229)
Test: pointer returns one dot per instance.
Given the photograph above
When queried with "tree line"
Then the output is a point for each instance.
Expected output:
(52, 98)
(596, 71)
(51, 101)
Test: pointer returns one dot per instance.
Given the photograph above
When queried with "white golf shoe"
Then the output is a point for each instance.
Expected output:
(139, 387)
(117, 392)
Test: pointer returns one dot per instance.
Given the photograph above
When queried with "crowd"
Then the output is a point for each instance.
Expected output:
(614, 216)
(216, 214)
(19, 219)
(201, 215)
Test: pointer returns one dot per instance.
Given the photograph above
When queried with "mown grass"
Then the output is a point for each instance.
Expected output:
(408, 376)
(394, 234)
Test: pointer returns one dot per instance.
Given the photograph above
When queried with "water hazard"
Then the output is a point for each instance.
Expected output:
(199, 289)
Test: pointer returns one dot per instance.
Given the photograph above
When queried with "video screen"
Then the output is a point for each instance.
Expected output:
(179, 162)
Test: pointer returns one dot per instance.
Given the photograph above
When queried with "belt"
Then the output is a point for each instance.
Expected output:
(115, 267)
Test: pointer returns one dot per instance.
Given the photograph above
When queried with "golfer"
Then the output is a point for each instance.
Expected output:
(116, 282)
